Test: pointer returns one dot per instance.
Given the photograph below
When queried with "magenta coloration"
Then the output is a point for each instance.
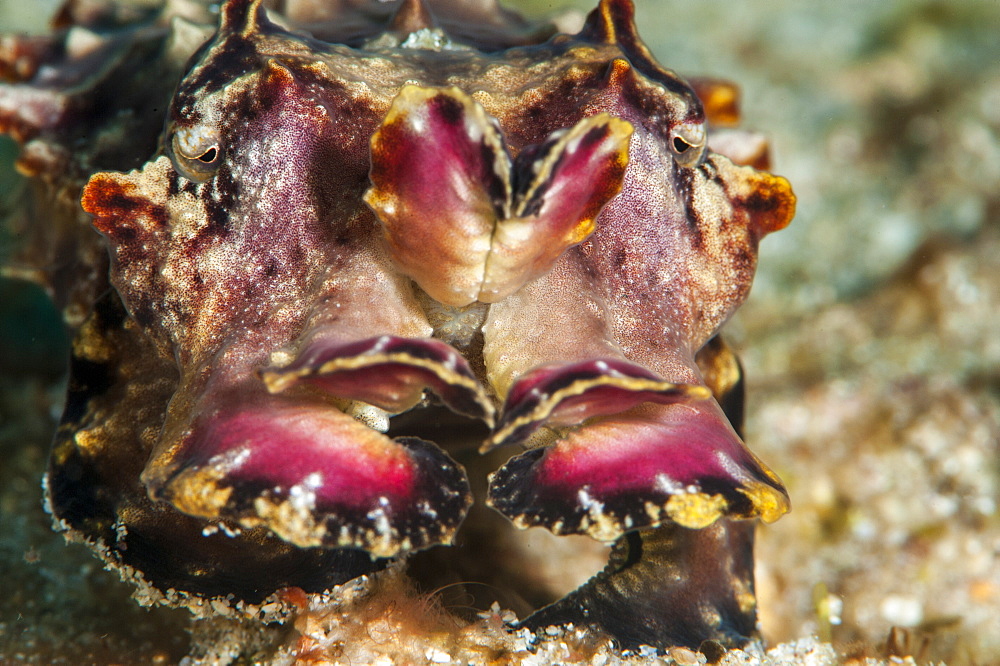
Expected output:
(563, 395)
(388, 373)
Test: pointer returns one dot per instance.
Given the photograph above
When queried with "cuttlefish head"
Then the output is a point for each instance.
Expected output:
(319, 222)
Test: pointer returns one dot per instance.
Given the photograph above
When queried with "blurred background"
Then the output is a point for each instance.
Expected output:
(871, 340)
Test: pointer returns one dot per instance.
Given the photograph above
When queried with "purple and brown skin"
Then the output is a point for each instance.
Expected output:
(535, 237)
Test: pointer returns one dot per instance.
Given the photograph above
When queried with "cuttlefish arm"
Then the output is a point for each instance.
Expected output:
(299, 447)
(673, 585)
(466, 220)
(625, 448)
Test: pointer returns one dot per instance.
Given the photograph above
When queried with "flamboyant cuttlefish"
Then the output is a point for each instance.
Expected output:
(364, 226)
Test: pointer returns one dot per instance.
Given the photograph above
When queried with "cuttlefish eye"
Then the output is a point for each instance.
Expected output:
(687, 143)
(196, 152)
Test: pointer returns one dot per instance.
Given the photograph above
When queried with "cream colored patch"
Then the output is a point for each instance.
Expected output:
(455, 325)
(695, 510)
(89, 441)
(596, 523)
(370, 415)
(768, 503)
(197, 492)
(291, 520)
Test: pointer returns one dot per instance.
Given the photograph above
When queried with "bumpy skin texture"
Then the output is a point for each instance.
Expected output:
(352, 215)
